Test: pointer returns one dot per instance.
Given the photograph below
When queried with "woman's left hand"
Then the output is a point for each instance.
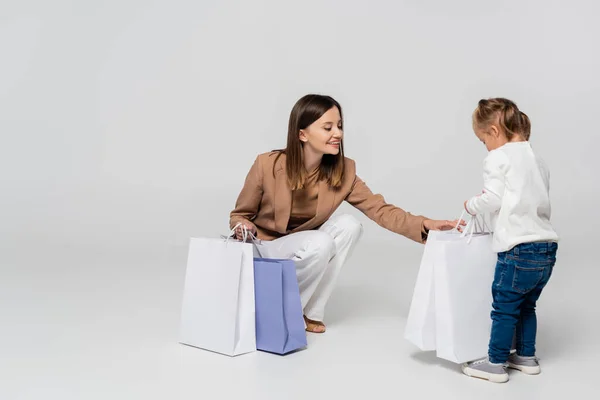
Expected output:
(443, 225)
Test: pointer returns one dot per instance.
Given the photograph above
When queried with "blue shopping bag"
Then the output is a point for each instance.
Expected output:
(279, 319)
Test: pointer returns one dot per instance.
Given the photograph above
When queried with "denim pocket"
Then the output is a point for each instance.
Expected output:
(527, 276)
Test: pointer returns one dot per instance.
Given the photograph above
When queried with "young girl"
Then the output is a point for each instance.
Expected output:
(515, 193)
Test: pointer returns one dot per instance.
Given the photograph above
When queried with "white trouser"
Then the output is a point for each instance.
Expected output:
(319, 256)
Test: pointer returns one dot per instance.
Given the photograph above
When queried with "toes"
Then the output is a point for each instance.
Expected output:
(315, 328)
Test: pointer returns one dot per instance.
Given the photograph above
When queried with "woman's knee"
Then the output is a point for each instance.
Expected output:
(322, 245)
(348, 224)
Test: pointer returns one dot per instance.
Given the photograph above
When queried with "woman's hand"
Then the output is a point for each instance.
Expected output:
(239, 231)
(443, 225)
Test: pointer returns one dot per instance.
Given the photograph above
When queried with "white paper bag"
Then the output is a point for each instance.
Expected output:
(451, 305)
(218, 299)
(420, 325)
(463, 274)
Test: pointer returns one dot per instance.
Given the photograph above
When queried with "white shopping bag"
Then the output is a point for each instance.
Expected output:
(218, 299)
(420, 325)
(450, 309)
(463, 275)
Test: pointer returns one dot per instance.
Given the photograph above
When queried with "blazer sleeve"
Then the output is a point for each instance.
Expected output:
(386, 215)
(249, 199)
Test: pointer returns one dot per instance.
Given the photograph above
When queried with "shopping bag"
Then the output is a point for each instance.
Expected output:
(218, 299)
(463, 274)
(420, 325)
(279, 319)
(450, 309)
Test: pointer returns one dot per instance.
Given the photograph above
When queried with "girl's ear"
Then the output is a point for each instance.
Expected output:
(493, 130)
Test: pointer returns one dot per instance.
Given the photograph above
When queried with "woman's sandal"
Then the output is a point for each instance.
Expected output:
(314, 326)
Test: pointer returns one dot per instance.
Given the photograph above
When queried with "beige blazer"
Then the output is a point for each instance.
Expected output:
(266, 202)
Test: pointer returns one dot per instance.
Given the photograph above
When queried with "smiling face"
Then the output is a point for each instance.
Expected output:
(324, 136)
(314, 140)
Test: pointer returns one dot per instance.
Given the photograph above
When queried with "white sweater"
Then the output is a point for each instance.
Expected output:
(516, 188)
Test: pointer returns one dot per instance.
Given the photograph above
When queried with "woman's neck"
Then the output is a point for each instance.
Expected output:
(312, 160)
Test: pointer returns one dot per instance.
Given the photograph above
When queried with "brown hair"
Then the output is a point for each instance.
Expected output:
(505, 113)
(306, 111)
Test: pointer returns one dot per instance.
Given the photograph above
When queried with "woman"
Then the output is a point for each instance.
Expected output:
(289, 196)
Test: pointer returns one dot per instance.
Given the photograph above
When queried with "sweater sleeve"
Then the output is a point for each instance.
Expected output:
(490, 200)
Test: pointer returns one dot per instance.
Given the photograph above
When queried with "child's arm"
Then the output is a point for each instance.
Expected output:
(490, 199)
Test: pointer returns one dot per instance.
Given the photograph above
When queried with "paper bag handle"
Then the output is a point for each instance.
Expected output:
(475, 225)
(245, 235)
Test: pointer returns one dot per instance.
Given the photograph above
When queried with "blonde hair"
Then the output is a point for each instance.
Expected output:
(506, 114)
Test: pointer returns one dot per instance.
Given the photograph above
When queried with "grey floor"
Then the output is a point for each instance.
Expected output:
(90, 324)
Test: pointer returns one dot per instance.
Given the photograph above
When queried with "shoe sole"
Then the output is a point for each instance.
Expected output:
(496, 378)
(525, 369)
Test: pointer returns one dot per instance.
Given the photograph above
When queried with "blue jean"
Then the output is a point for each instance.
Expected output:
(521, 275)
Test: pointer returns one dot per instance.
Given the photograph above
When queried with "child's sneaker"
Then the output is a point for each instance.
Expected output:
(484, 369)
(527, 365)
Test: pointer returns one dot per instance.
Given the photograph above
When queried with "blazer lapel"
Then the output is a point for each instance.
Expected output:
(282, 201)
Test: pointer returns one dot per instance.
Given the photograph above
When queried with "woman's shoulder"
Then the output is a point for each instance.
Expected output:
(271, 157)
(349, 174)
(349, 166)
(271, 160)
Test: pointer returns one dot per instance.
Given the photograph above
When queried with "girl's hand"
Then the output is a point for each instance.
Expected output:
(466, 209)
(239, 232)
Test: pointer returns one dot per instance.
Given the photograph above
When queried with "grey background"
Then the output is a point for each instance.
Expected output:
(128, 126)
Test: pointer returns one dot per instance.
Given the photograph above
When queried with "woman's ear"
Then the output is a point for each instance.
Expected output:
(302, 136)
